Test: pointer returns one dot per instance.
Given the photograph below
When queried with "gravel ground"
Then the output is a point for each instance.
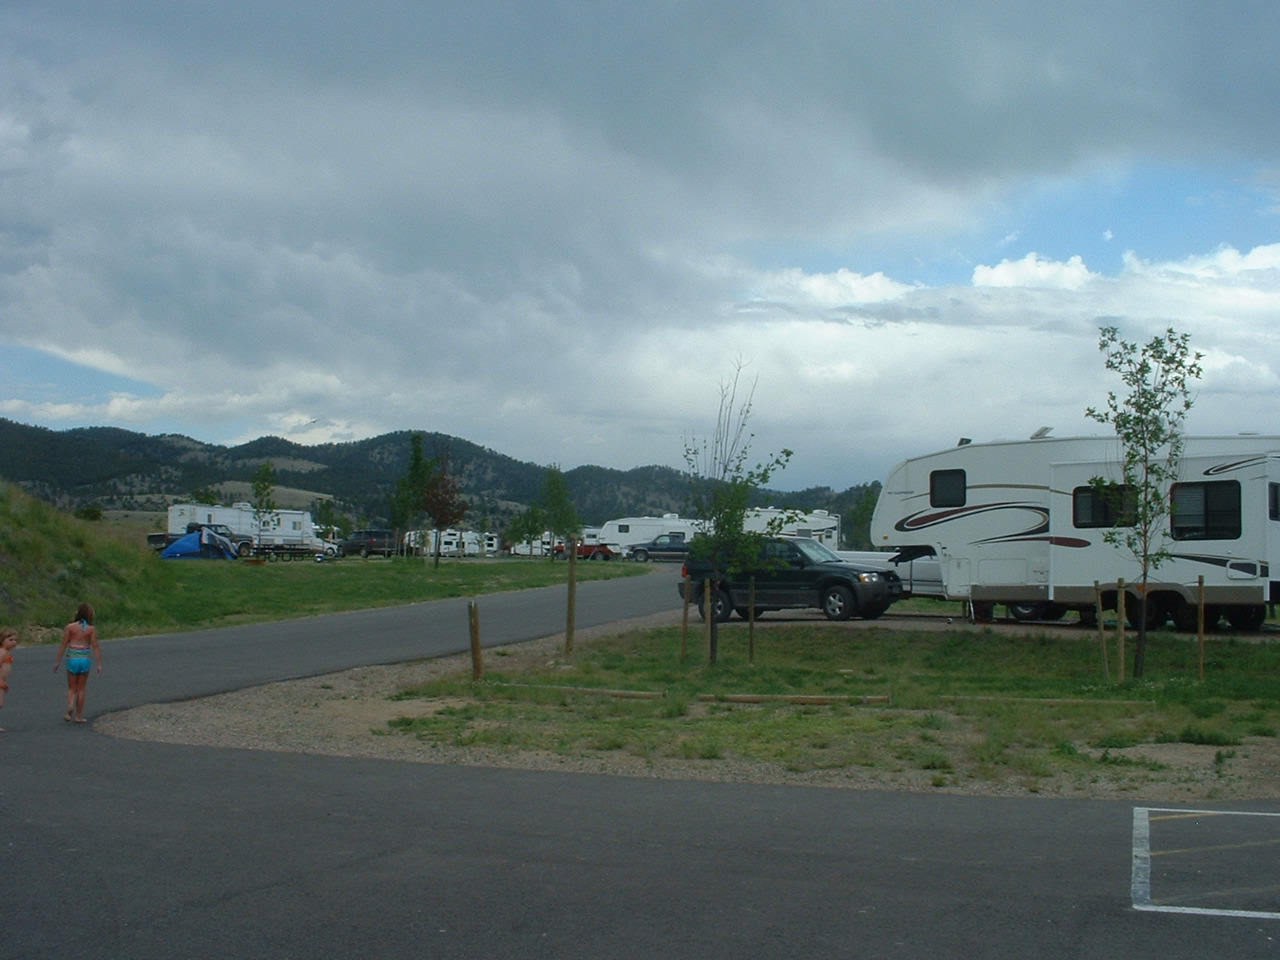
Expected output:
(346, 714)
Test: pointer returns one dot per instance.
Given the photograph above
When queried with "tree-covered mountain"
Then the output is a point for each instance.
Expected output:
(120, 470)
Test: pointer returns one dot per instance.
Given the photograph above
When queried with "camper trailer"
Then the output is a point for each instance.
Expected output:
(624, 533)
(1021, 523)
(453, 543)
(620, 535)
(819, 525)
(278, 528)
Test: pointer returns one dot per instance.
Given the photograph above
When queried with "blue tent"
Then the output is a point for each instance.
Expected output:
(201, 544)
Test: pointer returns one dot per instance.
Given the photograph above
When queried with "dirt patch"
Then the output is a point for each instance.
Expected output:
(347, 714)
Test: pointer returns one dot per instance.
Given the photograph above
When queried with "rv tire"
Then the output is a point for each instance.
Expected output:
(1156, 613)
(1247, 618)
(1026, 611)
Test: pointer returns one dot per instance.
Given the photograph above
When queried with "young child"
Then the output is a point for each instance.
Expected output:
(8, 640)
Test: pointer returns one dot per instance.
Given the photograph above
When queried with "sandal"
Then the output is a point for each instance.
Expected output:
(66, 717)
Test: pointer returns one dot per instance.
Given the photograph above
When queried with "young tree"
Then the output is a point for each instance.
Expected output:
(557, 508)
(527, 527)
(721, 487)
(442, 500)
(411, 489)
(264, 503)
(1148, 420)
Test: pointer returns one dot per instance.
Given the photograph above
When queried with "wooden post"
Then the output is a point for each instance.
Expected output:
(684, 619)
(708, 609)
(477, 659)
(571, 613)
(1120, 617)
(1200, 628)
(1102, 630)
(751, 620)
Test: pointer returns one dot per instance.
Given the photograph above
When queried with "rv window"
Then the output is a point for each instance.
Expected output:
(1206, 511)
(1273, 501)
(1110, 507)
(624, 528)
(946, 488)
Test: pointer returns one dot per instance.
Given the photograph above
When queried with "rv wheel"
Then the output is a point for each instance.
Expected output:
(1248, 618)
(1026, 611)
(1157, 612)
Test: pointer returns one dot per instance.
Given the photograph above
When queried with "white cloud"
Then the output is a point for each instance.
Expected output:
(1031, 271)
(553, 235)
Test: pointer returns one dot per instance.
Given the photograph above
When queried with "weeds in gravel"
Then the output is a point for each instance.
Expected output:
(950, 706)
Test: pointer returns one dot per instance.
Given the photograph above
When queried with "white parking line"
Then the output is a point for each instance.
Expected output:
(1141, 878)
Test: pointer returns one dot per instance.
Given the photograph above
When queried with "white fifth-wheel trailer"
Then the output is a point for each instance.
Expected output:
(1021, 523)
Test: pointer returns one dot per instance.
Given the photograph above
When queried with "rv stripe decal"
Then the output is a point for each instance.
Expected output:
(926, 519)
(1237, 465)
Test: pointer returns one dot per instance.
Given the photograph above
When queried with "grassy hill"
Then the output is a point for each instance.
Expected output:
(50, 562)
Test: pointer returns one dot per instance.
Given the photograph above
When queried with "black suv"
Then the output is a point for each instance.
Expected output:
(669, 546)
(362, 543)
(796, 573)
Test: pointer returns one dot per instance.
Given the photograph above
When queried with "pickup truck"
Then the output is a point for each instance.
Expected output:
(587, 551)
(796, 573)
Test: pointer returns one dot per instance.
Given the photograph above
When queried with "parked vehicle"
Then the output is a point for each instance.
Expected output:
(366, 543)
(794, 573)
(588, 551)
(623, 536)
(453, 543)
(817, 525)
(285, 531)
(921, 577)
(627, 532)
(1021, 523)
(669, 546)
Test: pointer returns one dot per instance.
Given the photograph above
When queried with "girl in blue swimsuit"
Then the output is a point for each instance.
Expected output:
(80, 645)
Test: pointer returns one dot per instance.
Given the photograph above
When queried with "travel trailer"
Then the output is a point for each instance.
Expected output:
(818, 525)
(453, 543)
(279, 528)
(1020, 523)
(622, 534)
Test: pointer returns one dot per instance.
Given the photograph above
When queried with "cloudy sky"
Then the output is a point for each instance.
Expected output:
(555, 228)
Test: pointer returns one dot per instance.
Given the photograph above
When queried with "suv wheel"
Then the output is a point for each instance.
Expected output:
(721, 607)
(640, 556)
(838, 602)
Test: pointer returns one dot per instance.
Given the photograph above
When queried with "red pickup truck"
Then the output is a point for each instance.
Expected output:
(588, 551)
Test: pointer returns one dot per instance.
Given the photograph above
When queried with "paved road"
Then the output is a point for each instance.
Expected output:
(117, 849)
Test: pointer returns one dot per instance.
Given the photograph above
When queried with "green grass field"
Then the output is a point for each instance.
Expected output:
(952, 706)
